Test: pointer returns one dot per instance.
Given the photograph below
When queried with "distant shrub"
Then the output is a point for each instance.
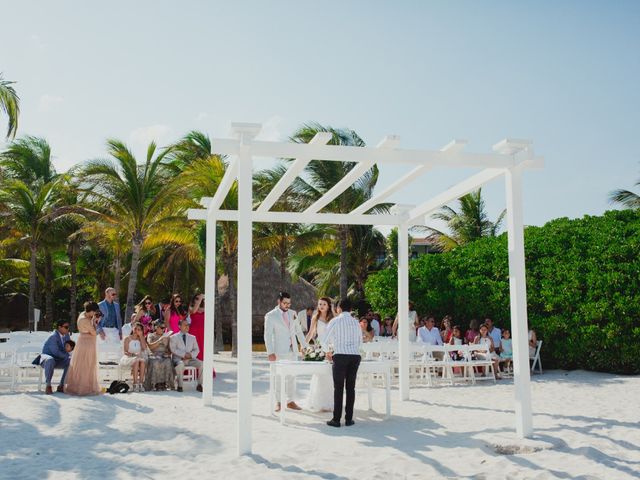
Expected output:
(583, 288)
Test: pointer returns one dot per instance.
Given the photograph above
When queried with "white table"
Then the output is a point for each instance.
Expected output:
(288, 368)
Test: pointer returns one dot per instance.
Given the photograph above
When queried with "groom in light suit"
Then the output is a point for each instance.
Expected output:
(282, 334)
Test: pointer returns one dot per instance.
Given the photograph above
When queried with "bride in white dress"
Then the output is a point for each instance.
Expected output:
(321, 391)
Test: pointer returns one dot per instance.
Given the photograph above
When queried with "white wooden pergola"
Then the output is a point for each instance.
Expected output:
(509, 158)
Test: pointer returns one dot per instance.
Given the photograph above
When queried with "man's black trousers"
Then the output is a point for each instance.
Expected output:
(345, 370)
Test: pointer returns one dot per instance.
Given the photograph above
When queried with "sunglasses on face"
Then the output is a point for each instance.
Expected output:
(148, 303)
(66, 327)
(178, 301)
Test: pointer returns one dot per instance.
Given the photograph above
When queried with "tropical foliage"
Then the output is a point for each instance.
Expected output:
(582, 282)
(10, 105)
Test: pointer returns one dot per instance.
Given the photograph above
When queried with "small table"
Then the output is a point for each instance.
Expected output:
(287, 368)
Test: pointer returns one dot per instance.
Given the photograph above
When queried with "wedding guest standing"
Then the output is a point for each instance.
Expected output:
(82, 378)
(110, 326)
(160, 373)
(146, 314)
(54, 355)
(174, 313)
(346, 337)
(196, 313)
(412, 324)
(135, 356)
(184, 348)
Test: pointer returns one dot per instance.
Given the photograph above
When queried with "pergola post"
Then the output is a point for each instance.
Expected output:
(244, 309)
(403, 308)
(209, 312)
(518, 297)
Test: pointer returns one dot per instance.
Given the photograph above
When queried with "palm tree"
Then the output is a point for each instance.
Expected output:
(34, 209)
(626, 198)
(10, 104)
(321, 176)
(134, 198)
(200, 174)
(469, 223)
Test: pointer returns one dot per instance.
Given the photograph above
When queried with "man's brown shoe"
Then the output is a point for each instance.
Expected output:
(178, 389)
(278, 407)
(48, 390)
(293, 406)
(60, 389)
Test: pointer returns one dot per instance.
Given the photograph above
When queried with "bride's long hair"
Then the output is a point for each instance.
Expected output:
(316, 315)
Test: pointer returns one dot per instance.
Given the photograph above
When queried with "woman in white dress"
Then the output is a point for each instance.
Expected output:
(321, 391)
(412, 324)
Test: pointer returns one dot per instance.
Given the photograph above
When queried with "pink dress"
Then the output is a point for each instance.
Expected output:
(197, 330)
(82, 378)
(174, 322)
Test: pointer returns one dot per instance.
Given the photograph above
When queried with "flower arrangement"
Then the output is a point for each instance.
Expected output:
(313, 353)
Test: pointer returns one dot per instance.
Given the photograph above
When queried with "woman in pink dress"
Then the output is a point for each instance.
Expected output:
(82, 378)
(196, 313)
(174, 313)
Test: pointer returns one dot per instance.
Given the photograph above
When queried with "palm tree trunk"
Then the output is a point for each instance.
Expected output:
(32, 285)
(344, 232)
(231, 271)
(116, 273)
(73, 260)
(174, 287)
(136, 245)
(48, 290)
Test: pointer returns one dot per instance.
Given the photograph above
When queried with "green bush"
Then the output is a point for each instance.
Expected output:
(583, 286)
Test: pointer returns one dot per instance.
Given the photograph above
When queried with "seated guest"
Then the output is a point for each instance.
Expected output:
(456, 339)
(184, 348)
(533, 343)
(160, 373)
(446, 330)
(55, 355)
(484, 338)
(495, 333)
(471, 334)
(375, 324)
(387, 327)
(367, 330)
(135, 356)
(506, 355)
(430, 335)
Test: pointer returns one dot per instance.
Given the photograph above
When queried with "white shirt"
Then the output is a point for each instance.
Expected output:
(345, 334)
(375, 324)
(496, 336)
(430, 337)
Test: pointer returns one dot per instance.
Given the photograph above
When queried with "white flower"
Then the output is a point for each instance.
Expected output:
(312, 355)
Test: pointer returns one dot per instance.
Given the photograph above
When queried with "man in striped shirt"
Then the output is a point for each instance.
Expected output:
(345, 335)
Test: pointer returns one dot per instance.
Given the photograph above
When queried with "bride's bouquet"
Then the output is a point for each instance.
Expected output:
(313, 353)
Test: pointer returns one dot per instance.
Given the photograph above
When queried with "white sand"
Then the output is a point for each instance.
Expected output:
(586, 425)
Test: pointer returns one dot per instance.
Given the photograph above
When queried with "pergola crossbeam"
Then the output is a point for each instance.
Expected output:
(453, 147)
(300, 217)
(455, 192)
(320, 138)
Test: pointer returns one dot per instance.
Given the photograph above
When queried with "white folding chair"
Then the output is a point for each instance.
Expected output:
(24, 371)
(7, 364)
(536, 358)
(190, 376)
(480, 356)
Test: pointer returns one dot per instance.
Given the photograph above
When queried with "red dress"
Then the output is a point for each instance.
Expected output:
(197, 330)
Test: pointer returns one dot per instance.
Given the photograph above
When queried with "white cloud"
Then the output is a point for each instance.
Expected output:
(140, 138)
(48, 102)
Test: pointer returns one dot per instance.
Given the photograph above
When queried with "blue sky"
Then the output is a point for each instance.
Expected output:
(565, 74)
